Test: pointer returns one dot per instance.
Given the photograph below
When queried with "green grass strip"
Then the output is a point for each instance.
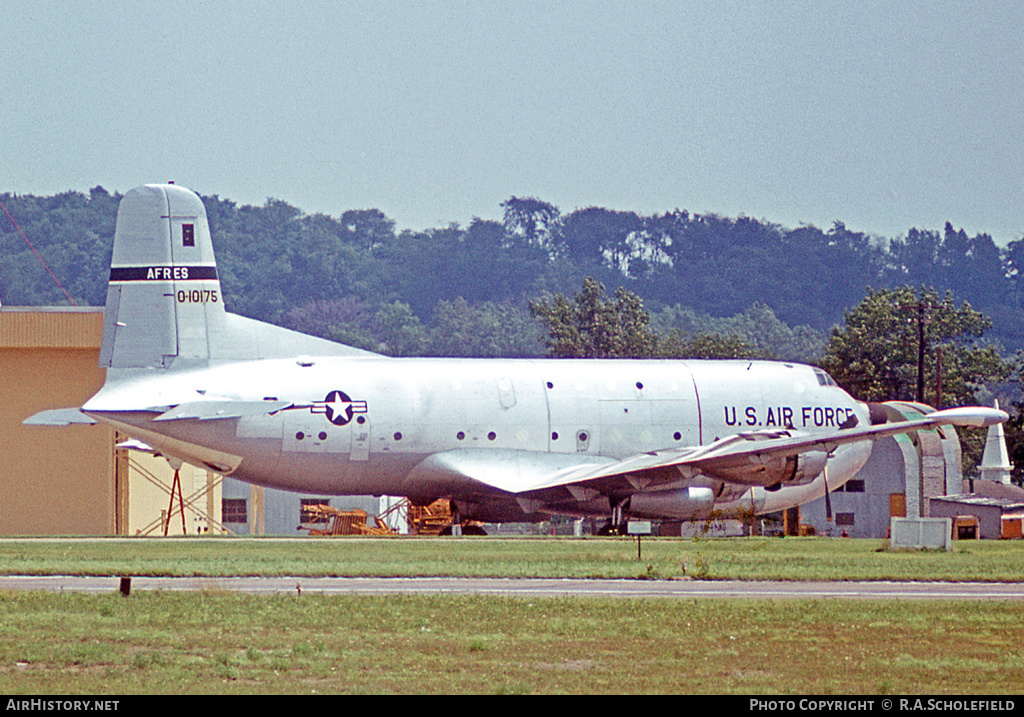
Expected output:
(662, 558)
(210, 642)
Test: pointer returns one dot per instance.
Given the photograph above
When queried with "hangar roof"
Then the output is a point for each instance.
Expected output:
(68, 327)
(981, 500)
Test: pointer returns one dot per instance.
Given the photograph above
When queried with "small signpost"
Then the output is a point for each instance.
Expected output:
(638, 528)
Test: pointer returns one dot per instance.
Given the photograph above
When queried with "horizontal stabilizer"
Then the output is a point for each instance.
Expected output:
(134, 445)
(59, 417)
(210, 410)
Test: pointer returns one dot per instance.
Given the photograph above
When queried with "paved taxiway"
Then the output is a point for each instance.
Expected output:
(534, 587)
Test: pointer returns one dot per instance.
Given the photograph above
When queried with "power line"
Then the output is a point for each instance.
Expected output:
(37, 254)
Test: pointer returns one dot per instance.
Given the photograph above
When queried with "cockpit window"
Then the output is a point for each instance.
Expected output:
(823, 378)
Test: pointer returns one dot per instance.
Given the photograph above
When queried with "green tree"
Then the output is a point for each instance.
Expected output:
(399, 330)
(758, 331)
(485, 330)
(348, 321)
(368, 228)
(528, 220)
(707, 346)
(593, 326)
(875, 354)
(599, 236)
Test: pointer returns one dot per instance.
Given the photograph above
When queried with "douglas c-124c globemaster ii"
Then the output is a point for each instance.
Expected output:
(503, 440)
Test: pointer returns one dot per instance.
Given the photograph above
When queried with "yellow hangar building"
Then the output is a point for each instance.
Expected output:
(74, 480)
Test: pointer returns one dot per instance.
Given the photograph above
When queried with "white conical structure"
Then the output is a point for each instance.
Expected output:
(995, 461)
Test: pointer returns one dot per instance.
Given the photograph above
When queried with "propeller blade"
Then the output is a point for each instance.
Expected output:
(828, 499)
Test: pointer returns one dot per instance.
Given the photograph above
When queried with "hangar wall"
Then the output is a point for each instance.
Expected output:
(53, 480)
(154, 506)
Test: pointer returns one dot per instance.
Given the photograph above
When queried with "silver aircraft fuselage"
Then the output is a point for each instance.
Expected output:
(365, 425)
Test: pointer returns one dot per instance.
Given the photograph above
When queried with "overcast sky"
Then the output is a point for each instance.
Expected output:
(882, 115)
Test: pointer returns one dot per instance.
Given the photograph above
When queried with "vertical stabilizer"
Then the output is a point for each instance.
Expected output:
(164, 294)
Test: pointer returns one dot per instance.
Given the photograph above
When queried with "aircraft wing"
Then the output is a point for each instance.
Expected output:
(135, 445)
(746, 458)
(756, 458)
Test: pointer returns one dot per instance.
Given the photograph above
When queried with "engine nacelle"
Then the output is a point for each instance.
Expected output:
(804, 468)
(772, 471)
(685, 503)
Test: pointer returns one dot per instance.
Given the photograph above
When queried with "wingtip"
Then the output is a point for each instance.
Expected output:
(970, 416)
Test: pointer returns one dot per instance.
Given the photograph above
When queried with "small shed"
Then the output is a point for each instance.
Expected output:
(988, 510)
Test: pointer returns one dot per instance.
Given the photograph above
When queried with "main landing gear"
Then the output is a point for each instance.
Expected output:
(461, 527)
(467, 528)
(617, 524)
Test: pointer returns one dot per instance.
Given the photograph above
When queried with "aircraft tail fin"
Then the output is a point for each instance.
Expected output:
(165, 308)
(164, 293)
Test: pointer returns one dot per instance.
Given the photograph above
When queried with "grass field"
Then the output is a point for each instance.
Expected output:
(662, 558)
(180, 643)
(214, 642)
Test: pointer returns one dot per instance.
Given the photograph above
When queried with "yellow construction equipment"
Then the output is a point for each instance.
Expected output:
(345, 522)
(430, 519)
(433, 519)
(436, 519)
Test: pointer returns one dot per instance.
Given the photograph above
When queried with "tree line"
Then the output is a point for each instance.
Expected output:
(689, 269)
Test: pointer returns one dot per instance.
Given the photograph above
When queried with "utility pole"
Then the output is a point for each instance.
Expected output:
(920, 352)
(923, 310)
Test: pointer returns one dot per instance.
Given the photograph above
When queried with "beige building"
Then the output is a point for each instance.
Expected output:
(73, 480)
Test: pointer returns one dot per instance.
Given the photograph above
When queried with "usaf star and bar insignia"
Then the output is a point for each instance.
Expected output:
(338, 407)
